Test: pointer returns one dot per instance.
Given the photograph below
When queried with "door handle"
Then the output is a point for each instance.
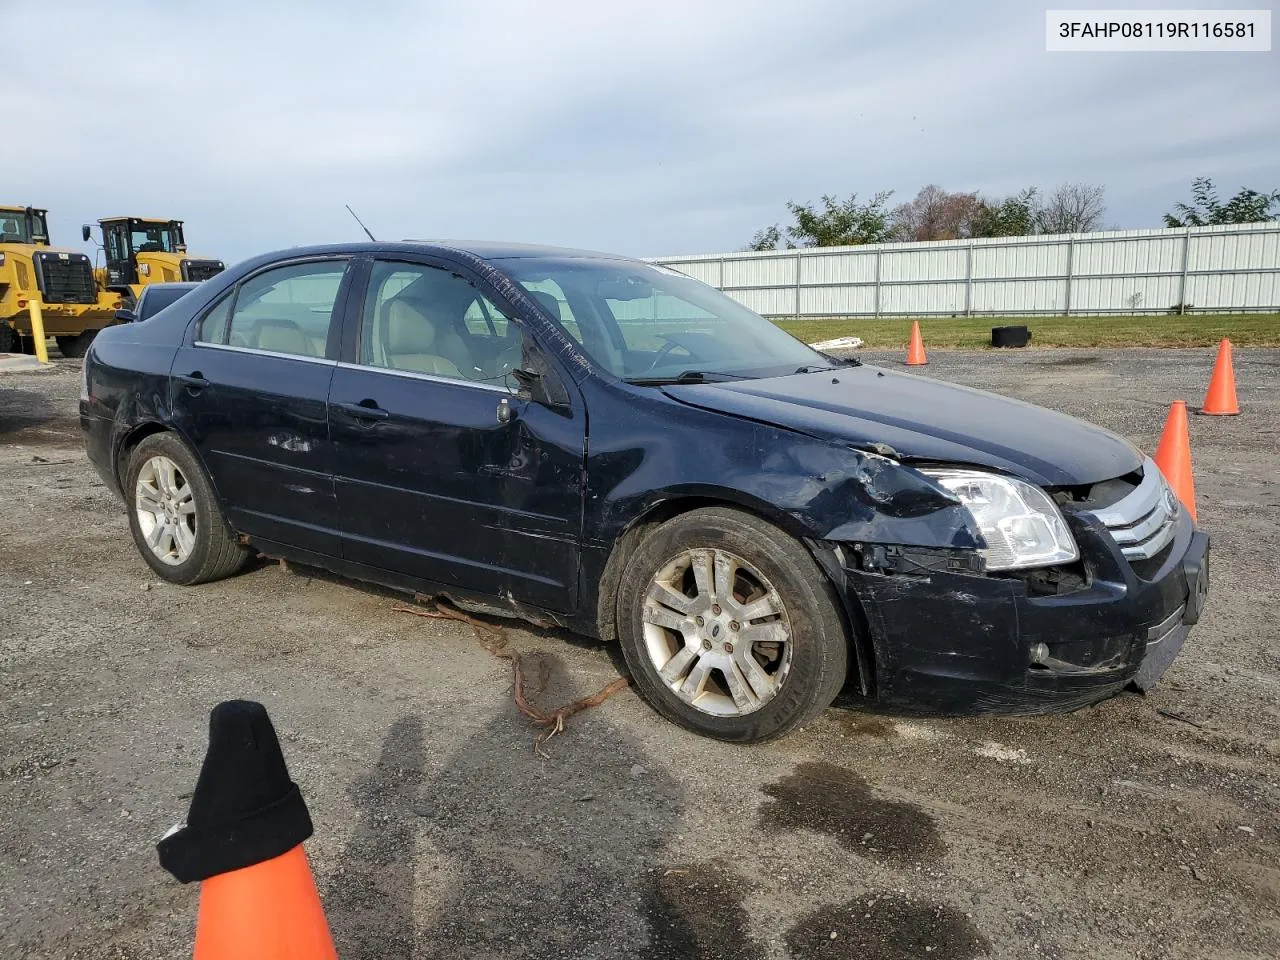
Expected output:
(193, 381)
(365, 410)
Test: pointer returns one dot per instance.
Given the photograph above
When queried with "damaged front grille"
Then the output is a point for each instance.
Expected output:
(1142, 523)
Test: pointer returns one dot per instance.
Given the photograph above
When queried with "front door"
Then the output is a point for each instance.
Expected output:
(442, 472)
(121, 269)
(251, 392)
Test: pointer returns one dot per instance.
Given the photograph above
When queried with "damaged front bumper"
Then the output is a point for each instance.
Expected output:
(959, 642)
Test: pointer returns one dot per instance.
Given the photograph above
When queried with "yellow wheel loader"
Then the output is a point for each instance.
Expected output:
(144, 250)
(59, 282)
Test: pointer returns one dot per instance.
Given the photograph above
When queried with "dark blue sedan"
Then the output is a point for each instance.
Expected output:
(617, 448)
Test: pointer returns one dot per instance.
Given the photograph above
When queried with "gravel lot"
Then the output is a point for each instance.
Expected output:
(1143, 827)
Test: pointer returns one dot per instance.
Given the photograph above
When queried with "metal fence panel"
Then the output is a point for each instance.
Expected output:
(1121, 271)
(1022, 296)
(838, 268)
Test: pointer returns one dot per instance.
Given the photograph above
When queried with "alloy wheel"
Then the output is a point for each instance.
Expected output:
(717, 632)
(166, 510)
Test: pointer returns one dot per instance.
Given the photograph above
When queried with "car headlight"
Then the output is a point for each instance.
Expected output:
(1022, 525)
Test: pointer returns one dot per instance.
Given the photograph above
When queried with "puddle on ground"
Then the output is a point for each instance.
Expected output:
(695, 912)
(886, 927)
(837, 802)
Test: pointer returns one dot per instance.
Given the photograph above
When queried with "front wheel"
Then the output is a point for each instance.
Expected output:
(174, 515)
(729, 627)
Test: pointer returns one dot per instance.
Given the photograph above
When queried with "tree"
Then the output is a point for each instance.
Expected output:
(770, 238)
(935, 214)
(1072, 208)
(1013, 216)
(1247, 206)
(840, 223)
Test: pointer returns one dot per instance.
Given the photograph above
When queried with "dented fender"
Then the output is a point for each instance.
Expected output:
(813, 488)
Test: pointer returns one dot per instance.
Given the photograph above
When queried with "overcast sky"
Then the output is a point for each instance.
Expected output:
(643, 128)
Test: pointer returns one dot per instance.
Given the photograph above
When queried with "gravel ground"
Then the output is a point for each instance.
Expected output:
(1142, 827)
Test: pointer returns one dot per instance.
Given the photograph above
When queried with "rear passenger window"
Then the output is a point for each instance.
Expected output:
(287, 310)
(213, 328)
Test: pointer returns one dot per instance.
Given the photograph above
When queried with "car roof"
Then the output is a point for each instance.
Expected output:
(484, 250)
(172, 285)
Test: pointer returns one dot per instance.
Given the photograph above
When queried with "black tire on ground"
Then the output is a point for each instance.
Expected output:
(820, 644)
(1016, 336)
(8, 339)
(74, 347)
(216, 553)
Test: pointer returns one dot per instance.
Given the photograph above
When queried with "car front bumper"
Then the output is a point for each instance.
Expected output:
(965, 643)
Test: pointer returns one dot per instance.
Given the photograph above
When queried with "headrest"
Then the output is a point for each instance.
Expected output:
(408, 329)
(548, 302)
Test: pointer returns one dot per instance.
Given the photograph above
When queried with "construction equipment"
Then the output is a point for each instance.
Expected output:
(59, 283)
(143, 250)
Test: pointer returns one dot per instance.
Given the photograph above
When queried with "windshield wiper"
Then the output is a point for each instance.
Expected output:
(688, 376)
(837, 362)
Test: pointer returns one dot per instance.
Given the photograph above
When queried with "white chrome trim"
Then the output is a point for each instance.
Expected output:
(429, 377)
(1142, 524)
(266, 353)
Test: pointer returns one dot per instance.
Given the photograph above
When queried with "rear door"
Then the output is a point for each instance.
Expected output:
(443, 472)
(251, 390)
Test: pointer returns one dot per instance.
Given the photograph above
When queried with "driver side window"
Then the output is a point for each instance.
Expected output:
(427, 320)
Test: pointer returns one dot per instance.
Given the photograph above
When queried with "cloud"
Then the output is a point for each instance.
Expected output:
(666, 127)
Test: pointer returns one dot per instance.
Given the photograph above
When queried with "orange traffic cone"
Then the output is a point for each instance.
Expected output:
(243, 841)
(269, 911)
(1173, 456)
(915, 350)
(1221, 398)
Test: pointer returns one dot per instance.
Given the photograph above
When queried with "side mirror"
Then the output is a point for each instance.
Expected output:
(86, 232)
(544, 389)
(126, 316)
(530, 385)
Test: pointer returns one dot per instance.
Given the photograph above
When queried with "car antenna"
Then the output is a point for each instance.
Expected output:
(359, 221)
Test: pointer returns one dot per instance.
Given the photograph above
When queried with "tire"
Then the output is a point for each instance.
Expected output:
(208, 549)
(8, 339)
(672, 619)
(73, 348)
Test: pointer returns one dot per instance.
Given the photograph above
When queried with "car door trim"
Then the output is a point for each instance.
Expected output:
(255, 351)
(430, 378)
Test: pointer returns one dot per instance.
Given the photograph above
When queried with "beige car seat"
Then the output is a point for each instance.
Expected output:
(410, 342)
(284, 336)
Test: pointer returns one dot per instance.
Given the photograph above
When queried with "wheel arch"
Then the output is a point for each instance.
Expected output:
(138, 432)
(854, 618)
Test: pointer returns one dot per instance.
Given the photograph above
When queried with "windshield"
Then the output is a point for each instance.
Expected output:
(19, 227)
(650, 323)
(154, 238)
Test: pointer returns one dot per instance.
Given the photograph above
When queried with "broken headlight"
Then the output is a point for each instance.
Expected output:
(1021, 524)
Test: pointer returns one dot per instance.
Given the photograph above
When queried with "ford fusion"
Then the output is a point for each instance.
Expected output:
(621, 450)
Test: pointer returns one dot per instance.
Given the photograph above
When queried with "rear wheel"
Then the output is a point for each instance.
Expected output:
(8, 339)
(74, 347)
(174, 517)
(729, 627)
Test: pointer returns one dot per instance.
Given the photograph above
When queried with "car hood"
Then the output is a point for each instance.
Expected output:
(925, 420)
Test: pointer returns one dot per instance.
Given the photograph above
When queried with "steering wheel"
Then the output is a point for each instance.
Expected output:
(665, 351)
